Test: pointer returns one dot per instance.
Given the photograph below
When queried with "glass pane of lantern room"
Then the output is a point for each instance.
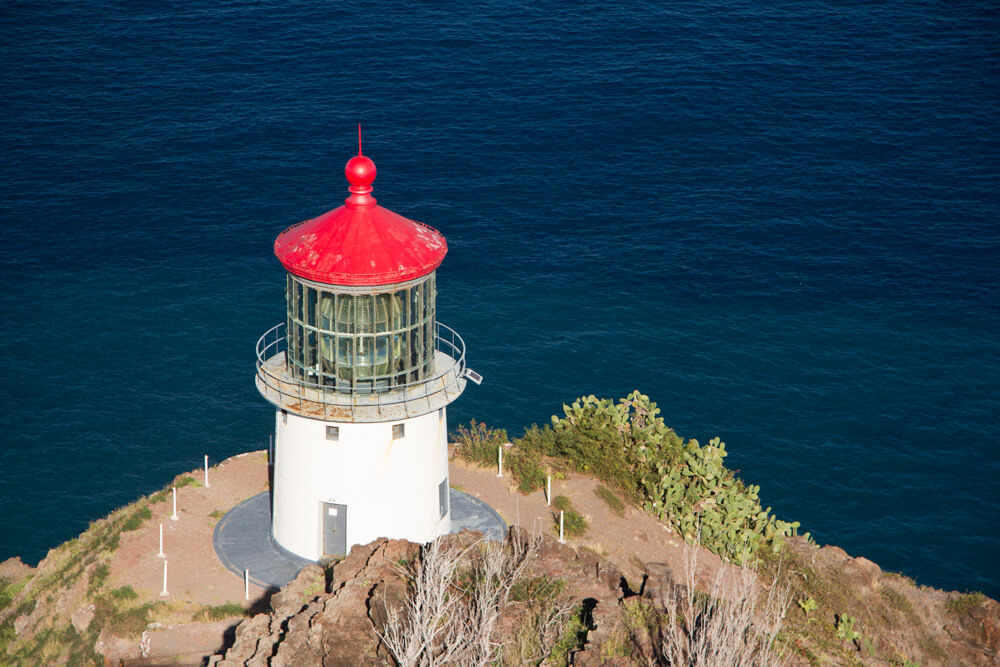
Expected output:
(416, 352)
(416, 304)
(309, 316)
(397, 312)
(364, 307)
(364, 357)
(326, 311)
(382, 308)
(382, 357)
(294, 346)
(401, 352)
(345, 313)
(402, 301)
(297, 306)
(327, 354)
(310, 351)
(429, 340)
(345, 361)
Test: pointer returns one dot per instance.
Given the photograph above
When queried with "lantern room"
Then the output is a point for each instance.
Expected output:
(361, 339)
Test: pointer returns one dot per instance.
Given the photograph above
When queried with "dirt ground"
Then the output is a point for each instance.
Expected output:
(196, 576)
(194, 573)
(630, 542)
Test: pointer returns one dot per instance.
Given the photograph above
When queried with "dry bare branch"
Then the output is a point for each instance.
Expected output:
(446, 622)
(734, 624)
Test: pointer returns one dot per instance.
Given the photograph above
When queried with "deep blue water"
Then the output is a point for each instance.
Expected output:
(781, 221)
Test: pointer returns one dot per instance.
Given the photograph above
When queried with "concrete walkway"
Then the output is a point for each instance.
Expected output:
(242, 538)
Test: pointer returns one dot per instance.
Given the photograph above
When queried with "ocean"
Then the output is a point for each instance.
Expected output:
(779, 220)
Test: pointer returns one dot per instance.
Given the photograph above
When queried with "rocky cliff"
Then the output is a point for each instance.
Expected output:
(615, 619)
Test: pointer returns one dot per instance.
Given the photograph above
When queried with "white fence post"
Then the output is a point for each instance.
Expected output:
(206, 472)
(161, 554)
(561, 540)
(500, 460)
(174, 517)
(164, 591)
(548, 492)
(246, 584)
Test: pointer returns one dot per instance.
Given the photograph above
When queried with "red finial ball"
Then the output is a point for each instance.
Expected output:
(360, 171)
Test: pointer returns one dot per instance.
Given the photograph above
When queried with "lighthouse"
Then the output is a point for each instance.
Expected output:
(360, 374)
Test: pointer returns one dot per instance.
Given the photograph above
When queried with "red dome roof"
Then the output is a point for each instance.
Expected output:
(360, 243)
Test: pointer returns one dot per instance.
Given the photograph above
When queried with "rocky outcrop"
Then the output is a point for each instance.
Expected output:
(315, 623)
(897, 621)
(342, 624)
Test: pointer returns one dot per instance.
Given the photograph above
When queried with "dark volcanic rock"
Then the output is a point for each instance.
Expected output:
(339, 623)
(311, 627)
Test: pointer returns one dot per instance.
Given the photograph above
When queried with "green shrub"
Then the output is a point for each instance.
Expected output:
(684, 484)
(561, 502)
(572, 639)
(638, 615)
(135, 521)
(478, 443)
(186, 480)
(124, 594)
(574, 525)
(526, 468)
(614, 503)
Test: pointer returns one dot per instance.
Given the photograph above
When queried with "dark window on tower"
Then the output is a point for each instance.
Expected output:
(333, 433)
(397, 431)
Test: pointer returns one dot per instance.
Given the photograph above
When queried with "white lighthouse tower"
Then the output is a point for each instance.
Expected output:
(361, 374)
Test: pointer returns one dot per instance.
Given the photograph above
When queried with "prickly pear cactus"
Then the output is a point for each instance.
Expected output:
(684, 484)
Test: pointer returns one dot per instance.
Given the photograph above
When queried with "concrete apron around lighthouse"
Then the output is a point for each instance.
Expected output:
(243, 541)
(360, 374)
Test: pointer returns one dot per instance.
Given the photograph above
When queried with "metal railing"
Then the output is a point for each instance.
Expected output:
(314, 399)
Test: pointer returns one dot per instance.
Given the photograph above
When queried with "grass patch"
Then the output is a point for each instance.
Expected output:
(113, 612)
(220, 612)
(217, 514)
(614, 503)
(135, 521)
(98, 577)
(537, 589)
(186, 480)
(965, 604)
(8, 589)
(898, 602)
(124, 594)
